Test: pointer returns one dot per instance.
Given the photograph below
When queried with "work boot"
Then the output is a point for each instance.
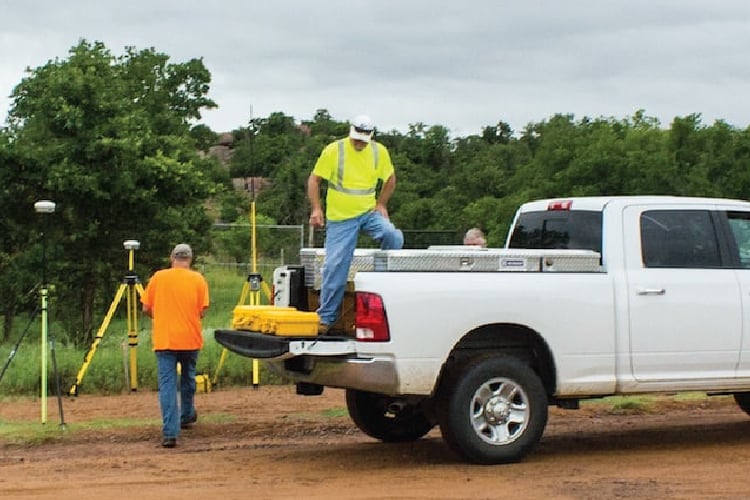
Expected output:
(323, 329)
(169, 442)
(186, 423)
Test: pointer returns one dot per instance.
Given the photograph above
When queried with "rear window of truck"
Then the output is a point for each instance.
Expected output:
(558, 229)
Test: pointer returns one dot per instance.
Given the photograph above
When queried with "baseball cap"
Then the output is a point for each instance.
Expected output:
(361, 128)
(182, 251)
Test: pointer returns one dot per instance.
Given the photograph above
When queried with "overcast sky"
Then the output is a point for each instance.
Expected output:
(463, 65)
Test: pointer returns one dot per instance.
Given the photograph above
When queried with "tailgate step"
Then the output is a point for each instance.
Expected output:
(262, 346)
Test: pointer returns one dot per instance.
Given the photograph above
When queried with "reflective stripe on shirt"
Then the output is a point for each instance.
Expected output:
(338, 184)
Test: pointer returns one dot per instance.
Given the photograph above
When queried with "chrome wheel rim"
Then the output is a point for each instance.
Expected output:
(499, 411)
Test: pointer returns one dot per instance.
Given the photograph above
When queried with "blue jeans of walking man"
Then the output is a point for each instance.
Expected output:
(341, 241)
(174, 413)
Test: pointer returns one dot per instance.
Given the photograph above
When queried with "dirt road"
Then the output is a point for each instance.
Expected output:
(270, 443)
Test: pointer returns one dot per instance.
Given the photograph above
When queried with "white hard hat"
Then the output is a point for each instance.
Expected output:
(361, 128)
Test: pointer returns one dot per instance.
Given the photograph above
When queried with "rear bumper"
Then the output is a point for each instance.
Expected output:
(328, 361)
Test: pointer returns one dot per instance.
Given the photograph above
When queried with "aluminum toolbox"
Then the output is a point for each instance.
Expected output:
(455, 258)
(571, 261)
(313, 260)
(487, 260)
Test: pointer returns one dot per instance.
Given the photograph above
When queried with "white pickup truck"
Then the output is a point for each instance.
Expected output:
(590, 297)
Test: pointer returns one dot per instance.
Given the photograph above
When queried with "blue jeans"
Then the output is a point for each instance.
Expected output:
(166, 365)
(341, 241)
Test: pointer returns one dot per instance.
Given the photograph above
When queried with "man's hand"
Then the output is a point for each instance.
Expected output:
(388, 187)
(316, 218)
(381, 208)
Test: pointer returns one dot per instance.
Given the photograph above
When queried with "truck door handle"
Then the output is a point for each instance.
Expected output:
(651, 291)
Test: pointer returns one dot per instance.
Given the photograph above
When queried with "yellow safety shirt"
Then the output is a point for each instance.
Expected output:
(352, 177)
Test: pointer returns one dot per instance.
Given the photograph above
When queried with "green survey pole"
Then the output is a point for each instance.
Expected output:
(44, 207)
(44, 294)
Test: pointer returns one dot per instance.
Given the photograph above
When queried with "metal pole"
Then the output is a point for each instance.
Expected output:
(44, 207)
(44, 295)
(57, 381)
(44, 351)
(18, 342)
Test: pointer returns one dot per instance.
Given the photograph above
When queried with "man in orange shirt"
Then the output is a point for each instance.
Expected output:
(176, 299)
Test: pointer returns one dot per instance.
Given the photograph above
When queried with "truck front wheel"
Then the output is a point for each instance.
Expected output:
(493, 410)
(386, 418)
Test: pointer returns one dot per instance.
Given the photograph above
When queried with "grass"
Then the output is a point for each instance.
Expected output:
(107, 370)
(28, 433)
(644, 403)
(31, 433)
(335, 412)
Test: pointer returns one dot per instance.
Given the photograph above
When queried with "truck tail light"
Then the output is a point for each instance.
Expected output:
(370, 320)
(560, 205)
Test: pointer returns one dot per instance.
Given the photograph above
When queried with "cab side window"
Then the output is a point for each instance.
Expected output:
(679, 239)
(739, 224)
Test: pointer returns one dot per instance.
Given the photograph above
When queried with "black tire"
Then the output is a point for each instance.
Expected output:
(743, 401)
(493, 410)
(386, 418)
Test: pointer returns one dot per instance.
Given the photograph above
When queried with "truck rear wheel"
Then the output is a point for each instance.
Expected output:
(743, 401)
(386, 418)
(493, 410)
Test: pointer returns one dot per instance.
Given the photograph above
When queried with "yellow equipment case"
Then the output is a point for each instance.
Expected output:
(292, 323)
(249, 317)
(273, 320)
(202, 383)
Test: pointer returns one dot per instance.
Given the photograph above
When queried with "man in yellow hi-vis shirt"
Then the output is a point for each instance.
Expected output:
(353, 167)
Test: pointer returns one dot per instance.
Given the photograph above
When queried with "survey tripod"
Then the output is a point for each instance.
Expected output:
(132, 289)
(250, 295)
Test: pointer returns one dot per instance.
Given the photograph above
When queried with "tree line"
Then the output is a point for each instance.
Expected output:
(116, 141)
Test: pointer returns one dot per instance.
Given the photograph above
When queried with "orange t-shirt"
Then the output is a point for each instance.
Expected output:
(177, 298)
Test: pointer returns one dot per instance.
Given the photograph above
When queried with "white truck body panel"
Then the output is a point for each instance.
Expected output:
(423, 334)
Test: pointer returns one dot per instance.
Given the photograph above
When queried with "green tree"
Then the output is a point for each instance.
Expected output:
(649, 168)
(108, 138)
(19, 262)
(203, 136)
(264, 145)
(323, 125)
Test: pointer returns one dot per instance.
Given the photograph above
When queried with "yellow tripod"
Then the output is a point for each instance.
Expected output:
(250, 295)
(132, 288)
